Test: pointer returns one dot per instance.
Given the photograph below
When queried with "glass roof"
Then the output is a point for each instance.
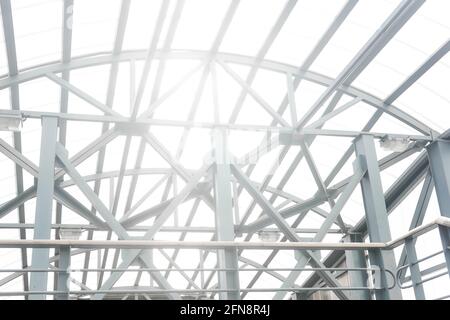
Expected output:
(227, 62)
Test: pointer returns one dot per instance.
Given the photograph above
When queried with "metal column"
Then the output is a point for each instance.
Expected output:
(376, 213)
(357, 259)
(439, 158)
(227, 258)
(63, 277)
(445, 238)
(44, 204)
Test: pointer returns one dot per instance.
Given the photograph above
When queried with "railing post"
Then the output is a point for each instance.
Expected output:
(416, 277)
(356, 259)
(64, 276)
(445, 238)
(439, 156)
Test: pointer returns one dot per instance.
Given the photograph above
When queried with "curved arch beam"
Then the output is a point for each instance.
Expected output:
(108, 58)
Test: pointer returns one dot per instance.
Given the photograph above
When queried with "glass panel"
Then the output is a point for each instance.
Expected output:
(306, 24)
(140, 24)
(408, 50)
(360, 25)
(248, 30)
(94, 26)
(37, 28)
(199, 24)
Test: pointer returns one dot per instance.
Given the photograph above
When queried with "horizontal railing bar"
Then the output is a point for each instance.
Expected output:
(420, 260)
(144, 228)
(187, 291)
(149, 244)
(428, 271)
(185, 269)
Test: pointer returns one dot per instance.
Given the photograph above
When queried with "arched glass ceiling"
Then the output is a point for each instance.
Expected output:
(80, 57)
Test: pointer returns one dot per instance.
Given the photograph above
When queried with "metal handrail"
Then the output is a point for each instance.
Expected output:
(391, 286)
(149, 244)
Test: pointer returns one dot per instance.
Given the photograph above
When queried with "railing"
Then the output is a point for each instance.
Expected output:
(69, 271)
(402, 280)
(373, 271)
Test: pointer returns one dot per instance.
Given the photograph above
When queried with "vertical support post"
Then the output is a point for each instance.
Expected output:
(416, 277)
(445, 238)
(357, 259)
(227, 258)
(44, 204)
(63, 277)
(439, 157)
(376, 214)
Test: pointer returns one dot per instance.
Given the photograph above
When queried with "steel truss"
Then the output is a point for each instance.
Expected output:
(223, 179)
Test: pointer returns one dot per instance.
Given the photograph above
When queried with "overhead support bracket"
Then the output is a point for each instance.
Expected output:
(132, 128)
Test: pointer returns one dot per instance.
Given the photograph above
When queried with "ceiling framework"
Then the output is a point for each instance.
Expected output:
(126, 252)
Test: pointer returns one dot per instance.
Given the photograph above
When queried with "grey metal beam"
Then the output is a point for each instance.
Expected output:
(63, 277)
(16, 156)
(444, 232)
(67, 15)
(356, 259)
(368, 52)
(416, 276)
(135, 105)
(142, 228)
(376, 213)
(323, 41)
(109, 218)
(427, 65)
(112, 81)
(133, 254)
(226, 21)
(65, 198)
(10, 43)
(191, 117)
(419, 215)
(321, 187)
(307, 256)
(273, 254)
(274, 31)
(439, 155)
(224, 216)
(44, 204)
(20, 199)
(326, 225)
(150, 55)
(359, 71)
(82, 95)
(276, 116)
(264, 221)
(226, 57)
(399, 190)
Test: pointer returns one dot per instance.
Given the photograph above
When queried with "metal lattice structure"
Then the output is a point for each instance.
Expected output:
(227, 226)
